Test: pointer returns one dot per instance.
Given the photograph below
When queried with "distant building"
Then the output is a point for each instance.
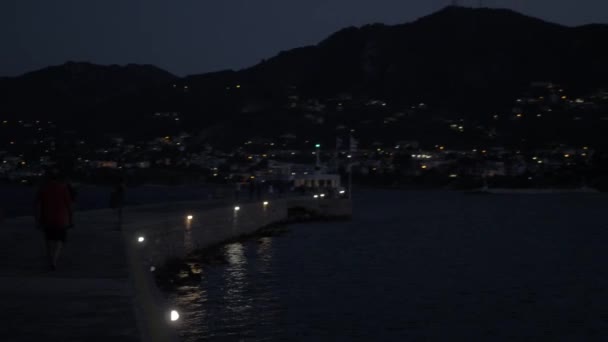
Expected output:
(317, 181)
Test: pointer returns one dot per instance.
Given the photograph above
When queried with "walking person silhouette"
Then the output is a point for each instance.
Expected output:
(53, 213)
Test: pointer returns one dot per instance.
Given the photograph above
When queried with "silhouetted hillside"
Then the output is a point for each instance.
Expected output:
(459, 60)
(57, 92)
(458, 57)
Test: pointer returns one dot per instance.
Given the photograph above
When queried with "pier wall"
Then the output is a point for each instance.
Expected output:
(171, 234)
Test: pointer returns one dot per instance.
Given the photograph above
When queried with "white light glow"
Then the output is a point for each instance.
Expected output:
(342, 191)
(265, 203)
(316, 196)
(152, 268)
(174, 315)
(190, 217)
(237, 208)
(140, 239)
(322, 195)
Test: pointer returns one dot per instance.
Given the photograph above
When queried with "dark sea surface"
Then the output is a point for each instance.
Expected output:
(415, 266)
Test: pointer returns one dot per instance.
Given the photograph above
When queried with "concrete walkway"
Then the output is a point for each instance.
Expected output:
(89, 297)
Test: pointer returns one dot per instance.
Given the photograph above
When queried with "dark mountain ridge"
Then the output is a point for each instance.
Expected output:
(461, 60)
(75, 88)
(454, 56)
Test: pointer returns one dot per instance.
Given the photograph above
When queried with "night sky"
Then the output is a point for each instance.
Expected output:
(195, 36)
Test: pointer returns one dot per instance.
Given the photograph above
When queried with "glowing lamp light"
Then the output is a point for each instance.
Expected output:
(424, 166)
(342, 192)
(190, 217)
(174, 315)
(318, 145)
(265, 203)
(237, 208)
(322, 195)
(316, 196)
(152, 268)
(141, 239)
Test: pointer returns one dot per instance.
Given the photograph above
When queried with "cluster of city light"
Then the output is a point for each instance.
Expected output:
(319, 196)
(422, 156)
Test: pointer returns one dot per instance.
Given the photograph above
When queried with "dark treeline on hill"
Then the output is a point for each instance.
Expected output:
(462, 62)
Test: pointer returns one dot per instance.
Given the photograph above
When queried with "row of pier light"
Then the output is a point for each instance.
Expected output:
(173, 315)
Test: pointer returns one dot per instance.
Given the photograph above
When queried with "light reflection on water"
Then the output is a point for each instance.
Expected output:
(235, 281)
(414, 266)
(226, 304)
(188, 241)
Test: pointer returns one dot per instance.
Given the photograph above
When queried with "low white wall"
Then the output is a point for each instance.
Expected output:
(168, 234)
(172, 235)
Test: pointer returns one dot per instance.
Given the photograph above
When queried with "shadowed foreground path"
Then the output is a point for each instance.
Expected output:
(89, 297)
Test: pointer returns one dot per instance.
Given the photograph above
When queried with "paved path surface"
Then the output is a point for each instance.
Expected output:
(90, 296)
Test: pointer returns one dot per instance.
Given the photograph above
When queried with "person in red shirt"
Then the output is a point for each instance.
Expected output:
(53, 213)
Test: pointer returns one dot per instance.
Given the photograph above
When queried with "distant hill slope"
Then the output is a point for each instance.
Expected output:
(460, 59)
(457, 57)
(75, 88)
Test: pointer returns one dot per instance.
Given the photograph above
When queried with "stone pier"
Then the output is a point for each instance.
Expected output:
(104, 289)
